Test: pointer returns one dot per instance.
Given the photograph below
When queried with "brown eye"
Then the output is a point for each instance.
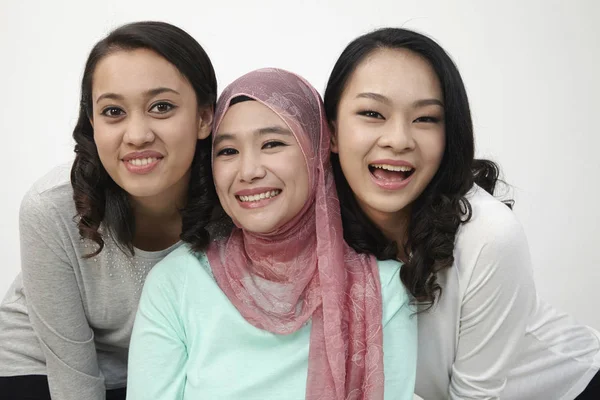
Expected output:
(272, 144)
(162, 108)
(227, 152)
(371, 114)
(427, 119)
(113, 112)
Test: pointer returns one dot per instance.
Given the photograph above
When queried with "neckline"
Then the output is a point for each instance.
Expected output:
(156, 254)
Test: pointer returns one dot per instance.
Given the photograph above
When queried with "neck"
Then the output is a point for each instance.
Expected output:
(158, 218)
(394, 227)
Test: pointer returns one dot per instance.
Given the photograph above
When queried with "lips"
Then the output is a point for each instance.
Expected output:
(141, 155)
(259, 196)
(139, 162)
(391, 174)
(142, 162)
(256, 197)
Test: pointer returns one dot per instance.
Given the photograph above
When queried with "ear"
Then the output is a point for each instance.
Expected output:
(205, 121)
(334, 146)
(91, 122)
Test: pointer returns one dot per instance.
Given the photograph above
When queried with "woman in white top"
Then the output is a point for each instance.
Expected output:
(411, 189)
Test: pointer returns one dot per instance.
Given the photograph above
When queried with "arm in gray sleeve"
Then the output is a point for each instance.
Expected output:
(55, 305)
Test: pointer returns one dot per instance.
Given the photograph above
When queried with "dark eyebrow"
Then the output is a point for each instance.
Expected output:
(374, 96)
(382, 99)
(262, 131)
(221, 137)
(113, 96)
(274, 129)
(428, 102)
(148, 93)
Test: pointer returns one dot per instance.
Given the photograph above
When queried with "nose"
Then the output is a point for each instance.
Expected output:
(397, 137)
(138, 131)
(251, 167)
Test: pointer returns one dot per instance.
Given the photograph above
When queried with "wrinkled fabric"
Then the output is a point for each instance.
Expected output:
(304, 270)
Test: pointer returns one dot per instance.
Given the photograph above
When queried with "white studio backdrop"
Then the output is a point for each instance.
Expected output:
(530, 67)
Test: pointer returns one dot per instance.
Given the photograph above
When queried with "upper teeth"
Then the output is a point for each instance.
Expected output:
(142, 161)
(395, 168)
(260, 196)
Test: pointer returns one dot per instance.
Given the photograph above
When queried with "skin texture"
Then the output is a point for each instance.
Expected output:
(391, 109)
(255, 150)
(141, 102)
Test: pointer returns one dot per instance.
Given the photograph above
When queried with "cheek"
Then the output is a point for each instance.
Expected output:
(433, 148)
(224, 176)
(355, 139)
(220, 177)
(107, 142)
(303, 182)
(179, 138)
(181, 129)
(345, 134)
(354, 145)
(293, 169)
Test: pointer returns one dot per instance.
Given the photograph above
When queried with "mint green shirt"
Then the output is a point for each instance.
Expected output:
(190, 342)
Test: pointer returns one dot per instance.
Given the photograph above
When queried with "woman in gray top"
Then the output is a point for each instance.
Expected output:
(88, 240)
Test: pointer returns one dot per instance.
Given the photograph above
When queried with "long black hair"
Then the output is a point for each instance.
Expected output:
(442, 207)
(98, 199)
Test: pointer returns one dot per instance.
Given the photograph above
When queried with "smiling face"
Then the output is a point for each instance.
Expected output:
(146, 122)
(259, 169)
(389, 133)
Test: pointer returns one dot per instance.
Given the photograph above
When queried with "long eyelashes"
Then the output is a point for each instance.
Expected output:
(371, 114)
(228, 151)
(428, 119)
(162, 107)
(113, 112)
(273, 144)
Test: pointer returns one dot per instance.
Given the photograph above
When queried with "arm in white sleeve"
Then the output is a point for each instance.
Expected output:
(497, 302)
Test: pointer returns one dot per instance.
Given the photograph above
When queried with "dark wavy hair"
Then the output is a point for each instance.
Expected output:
(442, 207)
(98, 199)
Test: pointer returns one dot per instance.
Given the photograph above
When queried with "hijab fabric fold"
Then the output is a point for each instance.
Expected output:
(304, 272)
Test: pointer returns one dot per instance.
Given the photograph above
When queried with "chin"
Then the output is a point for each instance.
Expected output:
(140, 190)
(385, 206)
(258, 225)
(260, 231)
(257, 228)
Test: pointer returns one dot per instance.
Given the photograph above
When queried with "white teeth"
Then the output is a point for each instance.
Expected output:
(395, 168)
(260, 196)
(139, 162)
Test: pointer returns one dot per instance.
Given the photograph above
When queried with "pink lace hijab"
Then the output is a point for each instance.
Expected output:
(304, 271)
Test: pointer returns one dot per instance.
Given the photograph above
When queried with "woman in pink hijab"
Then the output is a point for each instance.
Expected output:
(282, 308)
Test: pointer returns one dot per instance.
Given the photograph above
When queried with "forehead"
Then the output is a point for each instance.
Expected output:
(249, 116)
(131, 71)
(396, 73)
